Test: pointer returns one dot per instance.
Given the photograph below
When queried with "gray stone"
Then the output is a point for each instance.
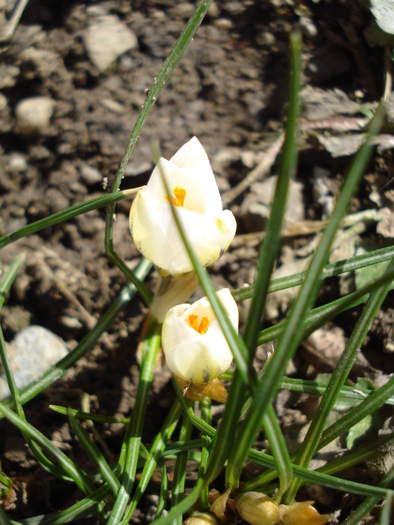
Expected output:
(34, 114)
(90, 175)
(32, 352)
(106, 39)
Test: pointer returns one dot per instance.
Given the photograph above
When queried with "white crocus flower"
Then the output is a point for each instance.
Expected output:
(193, 342)
(209, 229)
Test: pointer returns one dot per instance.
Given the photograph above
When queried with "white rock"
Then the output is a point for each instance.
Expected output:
(34, 114)
(32, 352)
(106, 39)
(90, 175)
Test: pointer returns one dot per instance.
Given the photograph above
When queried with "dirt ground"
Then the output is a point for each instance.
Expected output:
(230, 91)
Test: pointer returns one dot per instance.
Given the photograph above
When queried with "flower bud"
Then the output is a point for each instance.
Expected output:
(302, 513)
(196, 196)
(258, 509)
(201, 518)
(193, 342)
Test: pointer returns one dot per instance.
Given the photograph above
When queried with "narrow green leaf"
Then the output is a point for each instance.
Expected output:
(9, 277)
(178, 484)
(279, 450)
(94, 454)
(338, 379)
(66, 464)
(271, 243)
(291, 337)
(64, 215)
(128, 460)
(330, 270)
(163, 490)
(159, 82)
(97, 418)
(154, 455)
(368, 406)
(105, 321)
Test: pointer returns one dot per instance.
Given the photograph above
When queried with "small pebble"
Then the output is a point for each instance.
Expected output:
(32, 352)
(90, 175)
(34, 114)
(106, 39)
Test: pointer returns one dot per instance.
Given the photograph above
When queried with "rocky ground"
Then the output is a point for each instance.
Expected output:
(72, 81)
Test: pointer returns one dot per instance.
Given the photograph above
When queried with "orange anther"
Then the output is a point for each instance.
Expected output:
(179, 196)
(203, 326)
(200, 328)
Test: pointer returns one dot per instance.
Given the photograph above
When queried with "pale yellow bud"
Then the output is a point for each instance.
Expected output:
(258, 509)
(302, 513)
(218, 508)
(201, 518)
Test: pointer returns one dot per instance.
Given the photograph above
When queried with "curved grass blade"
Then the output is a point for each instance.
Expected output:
(270, 246)
(178, 484)
(155, 453)
(94, 454)
(374, 401)
(279, 451)
(367, 505)
(338, 378)
(290, 337)
(206, 415)
(163, 490)
(164, 74)
(58, 370)
(65, 215)
(128, 460)
(9, 277)
(79, 477)
(46, 463)
(222, 444)
(88, 416)
(330, 270)
(317, 317)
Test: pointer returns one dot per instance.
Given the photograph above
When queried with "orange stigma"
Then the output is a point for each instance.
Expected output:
(200, 328)
(179, 195)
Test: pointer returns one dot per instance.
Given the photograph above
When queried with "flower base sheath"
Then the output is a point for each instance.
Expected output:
(195, 194)
(193, 342)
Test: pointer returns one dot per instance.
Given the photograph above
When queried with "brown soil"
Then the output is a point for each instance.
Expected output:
(230, 91)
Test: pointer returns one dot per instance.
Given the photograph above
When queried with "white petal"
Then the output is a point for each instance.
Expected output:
(191, 154)
(192, 356)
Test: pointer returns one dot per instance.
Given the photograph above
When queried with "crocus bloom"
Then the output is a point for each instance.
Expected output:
(195, 194)
(193, 342)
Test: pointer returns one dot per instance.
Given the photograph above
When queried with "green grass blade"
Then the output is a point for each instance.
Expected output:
(9, 277)
(37, 452)
(95, 456)
(58, 370)
(368, 451)
(206, 416)
(318, 388)
(385, 515)
(374, 401)
(338, 378)
(164, 74)
(97, 418)
(310, 476)
(367, 505)
(79, 477)
(128, 460)
(319, 316)
(178, 484)
(183, 506)
(290, 337)
(330, 270)
(65, 215)
(155, 453)
(271, 243)
(163, 490)
(279, 450)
